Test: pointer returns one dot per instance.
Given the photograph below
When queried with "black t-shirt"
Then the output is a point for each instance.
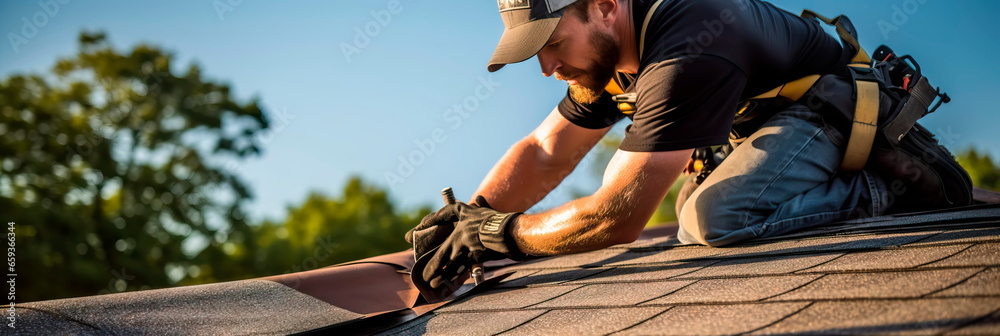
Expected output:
(700, 59)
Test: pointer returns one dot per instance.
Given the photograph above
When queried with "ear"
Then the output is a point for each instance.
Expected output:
(608, 10)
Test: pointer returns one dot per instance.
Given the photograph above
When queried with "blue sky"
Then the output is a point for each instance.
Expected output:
(338, 114)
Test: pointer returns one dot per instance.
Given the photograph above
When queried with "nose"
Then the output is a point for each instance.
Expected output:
(548, 63)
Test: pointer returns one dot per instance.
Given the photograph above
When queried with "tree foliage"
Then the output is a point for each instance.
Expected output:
(360, 223)
(113, 169)
(116, 169)
(985, 173)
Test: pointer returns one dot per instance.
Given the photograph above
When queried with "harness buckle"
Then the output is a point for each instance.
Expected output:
(630, 98)
(626, 102)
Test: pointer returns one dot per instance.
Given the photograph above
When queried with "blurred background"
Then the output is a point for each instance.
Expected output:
(156, 144)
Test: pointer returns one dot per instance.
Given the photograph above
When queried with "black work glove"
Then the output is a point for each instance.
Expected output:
(463, 235)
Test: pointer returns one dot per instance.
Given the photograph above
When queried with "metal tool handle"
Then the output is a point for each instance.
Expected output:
(477, 269)
(448, 195)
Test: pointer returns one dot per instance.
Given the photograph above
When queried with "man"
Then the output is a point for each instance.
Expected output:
(690, 63)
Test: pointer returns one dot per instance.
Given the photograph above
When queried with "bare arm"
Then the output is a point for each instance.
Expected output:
(535, 165)
(634, 185)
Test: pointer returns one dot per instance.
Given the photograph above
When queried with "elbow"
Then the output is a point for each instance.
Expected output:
(622, 224)
(544, 154)
(624, 235)
(623, 239)
(545, 159)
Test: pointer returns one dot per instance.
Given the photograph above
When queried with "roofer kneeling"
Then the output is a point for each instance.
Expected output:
(812, 132)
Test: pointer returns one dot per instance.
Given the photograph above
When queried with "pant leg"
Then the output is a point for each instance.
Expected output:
(780, 179)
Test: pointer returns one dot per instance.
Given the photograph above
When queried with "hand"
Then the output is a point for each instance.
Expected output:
(433, 230)
(464, 234)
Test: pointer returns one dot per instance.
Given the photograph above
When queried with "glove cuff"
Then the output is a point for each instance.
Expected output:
(494, 236)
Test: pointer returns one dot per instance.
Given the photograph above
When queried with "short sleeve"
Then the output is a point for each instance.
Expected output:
(601, 114)
(684, 102)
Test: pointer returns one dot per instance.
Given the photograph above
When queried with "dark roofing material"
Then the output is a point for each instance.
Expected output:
(240, 307)
(934, 272)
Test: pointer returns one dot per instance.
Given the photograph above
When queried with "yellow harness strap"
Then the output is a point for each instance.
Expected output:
(614, 89)
(859, 146)
(861, 57)
(645, 22)
(793, 90)
(627, 104)
(865, 123)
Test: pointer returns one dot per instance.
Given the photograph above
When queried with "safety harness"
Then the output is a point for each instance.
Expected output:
(866, 89)
(867, 83)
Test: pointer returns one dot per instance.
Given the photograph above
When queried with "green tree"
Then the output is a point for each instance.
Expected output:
(113, 170)
(985, 173)
(360, 223)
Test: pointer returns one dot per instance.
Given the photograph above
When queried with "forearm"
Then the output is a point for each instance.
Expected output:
(634, 185)
(523, 177)
(581, 225)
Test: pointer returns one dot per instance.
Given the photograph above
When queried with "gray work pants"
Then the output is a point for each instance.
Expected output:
(782, 178)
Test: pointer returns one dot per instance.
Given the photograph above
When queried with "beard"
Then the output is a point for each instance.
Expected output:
(592, 80)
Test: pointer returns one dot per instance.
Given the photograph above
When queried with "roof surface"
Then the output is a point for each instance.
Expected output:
(928, 273)
(917, 274)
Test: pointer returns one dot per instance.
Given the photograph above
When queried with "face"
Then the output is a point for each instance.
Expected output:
(583, 55)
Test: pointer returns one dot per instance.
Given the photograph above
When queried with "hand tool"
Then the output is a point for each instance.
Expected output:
(477, 269)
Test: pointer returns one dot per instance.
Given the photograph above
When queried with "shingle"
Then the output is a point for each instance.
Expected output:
(917, 317)
(238, 307)
(962, 236)
(761, 266)
(886, 240)
(585, 321)
(469, 324)
(671, 255)
(645, 273)
(787, 246)
(898, 258)
(507, 298)
(735, 290)
(589, 259)
(986, 282)
(977, 255)
(946, 216)
(629, 257)
(878, 285)
(518, 274)
(715, 319)
(986, 326)
(34, 322)
(660, 242)
(839, 243)
(619, 294)
(551, 277)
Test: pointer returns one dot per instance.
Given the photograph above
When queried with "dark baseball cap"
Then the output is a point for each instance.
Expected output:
(528, 25)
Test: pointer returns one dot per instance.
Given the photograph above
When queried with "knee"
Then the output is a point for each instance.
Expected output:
(710, 220)
(695, 221)
(684, 194)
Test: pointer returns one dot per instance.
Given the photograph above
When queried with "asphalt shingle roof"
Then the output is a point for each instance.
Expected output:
(930, 273)
(240, 307)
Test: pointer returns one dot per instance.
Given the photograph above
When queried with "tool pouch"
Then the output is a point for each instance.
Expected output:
(921, 173)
